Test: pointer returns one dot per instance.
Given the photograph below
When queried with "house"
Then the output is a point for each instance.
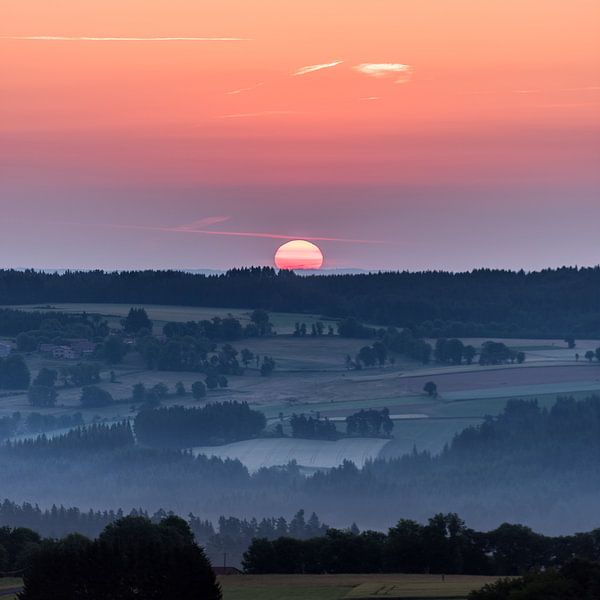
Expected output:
(65, 352)
(5, 349)
(82, 346)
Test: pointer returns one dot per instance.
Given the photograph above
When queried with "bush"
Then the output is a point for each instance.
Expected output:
(14, 373)
(92, 395)
(42, 395)
(198, 390)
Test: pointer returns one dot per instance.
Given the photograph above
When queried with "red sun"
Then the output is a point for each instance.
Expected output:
(298, 254)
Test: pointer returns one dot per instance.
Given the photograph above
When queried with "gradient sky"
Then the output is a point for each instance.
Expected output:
(396, 134)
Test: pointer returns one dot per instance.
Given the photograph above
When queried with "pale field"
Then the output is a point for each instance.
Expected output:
(338, 587)
(311, 378)
(161, 314)
(310, 454)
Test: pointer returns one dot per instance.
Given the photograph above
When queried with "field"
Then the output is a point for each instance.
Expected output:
(311, 454)
(7, 587)
(355, 587)
(311, 378)
(160, 314)
(332, 587)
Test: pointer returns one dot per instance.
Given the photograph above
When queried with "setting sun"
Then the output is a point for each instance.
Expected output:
(298, 254)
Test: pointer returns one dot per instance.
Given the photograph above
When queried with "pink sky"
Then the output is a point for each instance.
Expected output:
(416, 134)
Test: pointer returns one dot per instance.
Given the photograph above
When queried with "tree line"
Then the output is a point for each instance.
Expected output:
(364, 423)
(214, 424)
(228, 535)
(444, 545)
(32, 328)
(88, 439)
(436, 304)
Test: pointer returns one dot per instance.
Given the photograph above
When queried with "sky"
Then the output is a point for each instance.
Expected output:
(394, 134)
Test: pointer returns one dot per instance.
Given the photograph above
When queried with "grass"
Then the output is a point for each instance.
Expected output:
(161, 314)
(7, 583)
(350, 587)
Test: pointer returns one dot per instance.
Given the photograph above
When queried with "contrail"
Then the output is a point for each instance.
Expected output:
(251, 234)
(64, 38)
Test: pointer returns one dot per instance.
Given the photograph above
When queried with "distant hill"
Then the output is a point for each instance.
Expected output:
(553, 303)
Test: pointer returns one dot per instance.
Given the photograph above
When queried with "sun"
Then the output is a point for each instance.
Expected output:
(298, 254)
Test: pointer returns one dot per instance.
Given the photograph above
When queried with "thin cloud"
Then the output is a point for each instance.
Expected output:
(319, 67)
(250, 234)
(262, 113)
(205, 222)
(401, 72)
(64, 38)
(245, 89)
(527, 91)
(370, 98)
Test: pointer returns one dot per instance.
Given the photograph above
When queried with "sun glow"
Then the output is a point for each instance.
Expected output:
(298, 254)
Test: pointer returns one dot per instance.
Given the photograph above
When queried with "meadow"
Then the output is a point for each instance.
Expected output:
(331, 587)
(8, 585)
(351, 587)
(161, 314)
(311, 378)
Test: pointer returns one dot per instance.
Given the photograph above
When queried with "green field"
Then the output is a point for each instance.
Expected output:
(161, 314)
(9, 583)
(351, 587)
(335, 587)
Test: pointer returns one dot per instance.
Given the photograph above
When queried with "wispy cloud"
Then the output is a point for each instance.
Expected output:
(204, 222)
(245, 89)
(370, 98)
(527, 91)
(65, 38)
(262, 113)
(319, 67)
(402, 73)
(249, 234)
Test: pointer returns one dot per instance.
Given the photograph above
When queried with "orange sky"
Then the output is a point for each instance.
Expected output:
(484, 93)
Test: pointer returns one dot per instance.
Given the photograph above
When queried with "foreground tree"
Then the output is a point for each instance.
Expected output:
(133, 558)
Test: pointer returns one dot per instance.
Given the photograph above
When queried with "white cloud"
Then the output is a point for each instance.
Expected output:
(401, 72)
(313, 68)
(64, 38)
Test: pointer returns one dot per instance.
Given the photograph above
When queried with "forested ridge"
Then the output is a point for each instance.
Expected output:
(550, 303)
(531, 464)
